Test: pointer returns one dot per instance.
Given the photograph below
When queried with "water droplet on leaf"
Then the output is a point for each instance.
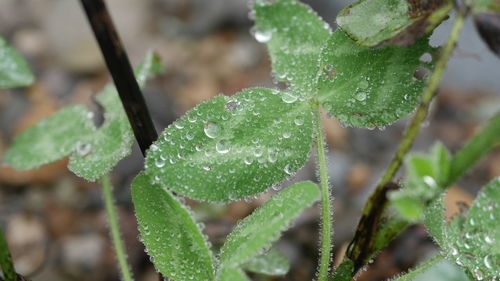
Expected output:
(212, 130)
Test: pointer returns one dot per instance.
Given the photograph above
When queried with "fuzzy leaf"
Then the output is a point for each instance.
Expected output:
(372, 23)
(170, 234)
(113, 140)
(294, 35)
(231, 274)
(231, 147)
(14, 70)
(71, 131)
(257, 231)
(444, 270)
(424, 174)
(366, 87)
(472, 242)
(50, 139)
(270, 263)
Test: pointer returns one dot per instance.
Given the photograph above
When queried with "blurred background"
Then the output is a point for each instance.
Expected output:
(55, 222)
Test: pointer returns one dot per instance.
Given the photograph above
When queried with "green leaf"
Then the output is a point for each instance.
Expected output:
(231, 274)
(71, 131)
(51, 139)
(14, 70)
(294, 35)
(472, 242)
(475, 148)
(444, 270)
(372, 23)
(257, 231)
(365, 87)
(270, 263)
(426, 175)
(434, 220)
(344, 271)
(171, 236)
(231, 147)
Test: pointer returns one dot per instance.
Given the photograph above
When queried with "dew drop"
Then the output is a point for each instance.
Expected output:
(159, 162)
(288, 97)
(298, 121)
(430, 181)
(207, 168)
(288, 169)
(179, 124)
(248, 160)
(212, 130)
(287, 135)
(361, 96)
(263, 36)
(83, 149)
(222, 146)
(153, 147)
(488, 261)
(232, 105)
(488, 239)
(258, 152)
(478, 274)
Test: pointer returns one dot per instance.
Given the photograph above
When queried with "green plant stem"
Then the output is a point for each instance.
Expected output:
(326, 234)
(420, 269)
(355, 250)
(6, 263)
(115, 230)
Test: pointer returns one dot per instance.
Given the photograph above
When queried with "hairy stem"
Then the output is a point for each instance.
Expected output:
(419, 269)
(326, 234)
(115, 230)
(6, 263)
(355, 251)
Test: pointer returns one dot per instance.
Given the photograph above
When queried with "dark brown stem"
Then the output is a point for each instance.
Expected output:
(361, 248)
(121, 71)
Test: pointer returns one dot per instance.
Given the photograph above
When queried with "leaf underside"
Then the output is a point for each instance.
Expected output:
(231, 147)
(172, 238)
(372, 23)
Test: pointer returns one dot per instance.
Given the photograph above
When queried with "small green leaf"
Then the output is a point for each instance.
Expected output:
(426, 175)
(257, 231)
(14, 70)
(472, 242)
(270, 263)
(475, 148)
(51, 139)
(372, 23)
(231, 147)
(231, 274)
(366, 87)
(344, 271)
(113, 140)
(171, 236)
(294, 35)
